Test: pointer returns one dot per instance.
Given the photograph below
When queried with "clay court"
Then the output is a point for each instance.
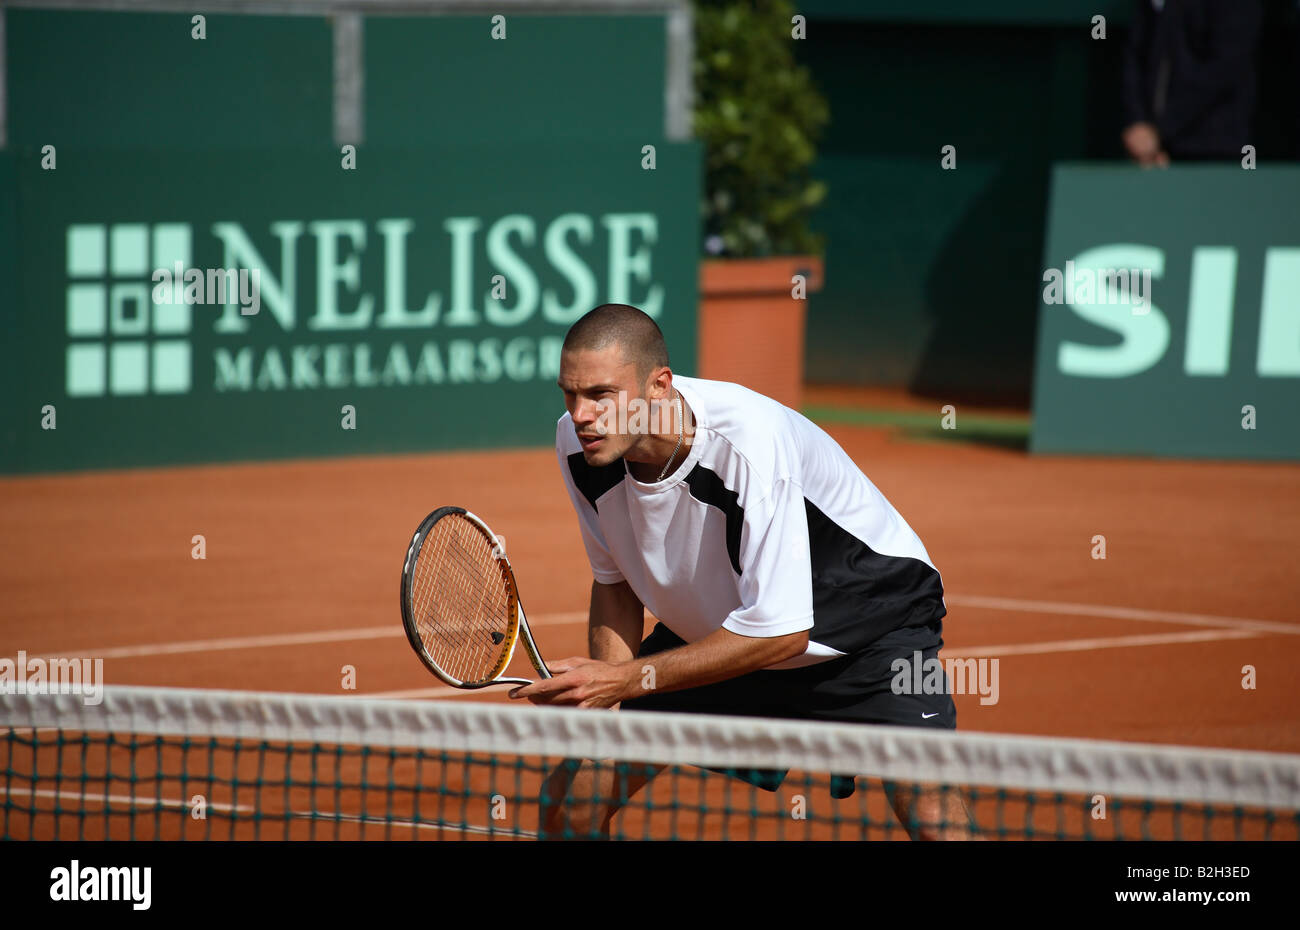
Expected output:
(303, 560)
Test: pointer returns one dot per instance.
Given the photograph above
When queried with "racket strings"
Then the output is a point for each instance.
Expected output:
(453, 604)
(456, 614)
(461, 601)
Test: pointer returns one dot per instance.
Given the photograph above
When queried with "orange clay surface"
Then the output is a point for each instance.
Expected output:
(1148, 644)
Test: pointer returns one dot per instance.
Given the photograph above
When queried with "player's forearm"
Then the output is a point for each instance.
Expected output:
(720, 655)
(615, 622)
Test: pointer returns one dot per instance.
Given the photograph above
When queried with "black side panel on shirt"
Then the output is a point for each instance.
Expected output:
(594, 482)
(858, 594)
(707, 488)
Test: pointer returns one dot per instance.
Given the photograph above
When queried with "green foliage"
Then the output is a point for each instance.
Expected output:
(759, 116)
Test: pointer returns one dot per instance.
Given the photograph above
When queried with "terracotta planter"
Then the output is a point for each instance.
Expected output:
(751, 327)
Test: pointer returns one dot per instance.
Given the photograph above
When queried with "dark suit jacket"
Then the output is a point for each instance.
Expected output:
(1189, 69)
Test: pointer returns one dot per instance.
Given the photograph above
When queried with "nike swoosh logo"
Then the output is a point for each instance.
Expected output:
(928, 716)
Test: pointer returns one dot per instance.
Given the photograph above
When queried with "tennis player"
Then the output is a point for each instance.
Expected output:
(785, 583)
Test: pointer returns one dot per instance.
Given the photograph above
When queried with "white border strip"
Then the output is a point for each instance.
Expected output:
(349, 79)
(1113, 769)
(679, 73)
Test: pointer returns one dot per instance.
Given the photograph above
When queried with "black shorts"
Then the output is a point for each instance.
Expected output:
(854, 688)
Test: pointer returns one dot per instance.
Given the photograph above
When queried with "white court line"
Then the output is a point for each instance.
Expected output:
(394, 630)
(1087, 645)
(237, 642)
(126, 799)
(558, 619)
(1120, 613)
(320, 816)
(326, 818)
(973, 652)
(437, 691)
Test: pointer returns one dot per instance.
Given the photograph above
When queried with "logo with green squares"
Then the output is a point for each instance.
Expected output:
(120, 343)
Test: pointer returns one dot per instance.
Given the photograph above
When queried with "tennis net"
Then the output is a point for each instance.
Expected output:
(156, 763)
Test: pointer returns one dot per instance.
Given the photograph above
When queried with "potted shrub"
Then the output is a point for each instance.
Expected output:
(759, 115)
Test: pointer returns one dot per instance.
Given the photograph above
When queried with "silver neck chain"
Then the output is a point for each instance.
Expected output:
(681, 434)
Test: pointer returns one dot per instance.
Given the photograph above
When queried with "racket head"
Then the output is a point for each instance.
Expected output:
(460, 606)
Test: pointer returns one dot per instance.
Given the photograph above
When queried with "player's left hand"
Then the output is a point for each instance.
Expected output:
(578, 682)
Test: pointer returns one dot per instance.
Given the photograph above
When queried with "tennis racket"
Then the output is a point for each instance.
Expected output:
(460, 604)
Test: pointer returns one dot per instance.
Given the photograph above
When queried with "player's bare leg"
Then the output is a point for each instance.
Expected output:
(929, 812)
(579, 798)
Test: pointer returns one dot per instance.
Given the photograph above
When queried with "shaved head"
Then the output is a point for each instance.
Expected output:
(637, 336)
(613, 364)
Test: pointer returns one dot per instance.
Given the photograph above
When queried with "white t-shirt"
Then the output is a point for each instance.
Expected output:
(767, 528)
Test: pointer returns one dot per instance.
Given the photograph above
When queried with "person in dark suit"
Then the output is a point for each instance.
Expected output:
(1189, 79)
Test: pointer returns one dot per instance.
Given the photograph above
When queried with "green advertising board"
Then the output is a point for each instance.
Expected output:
(1014, 12)
(171, 306)
(122, 79)
(1170, 313)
